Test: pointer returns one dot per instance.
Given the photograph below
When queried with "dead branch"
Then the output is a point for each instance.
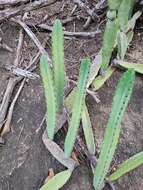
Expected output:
(67, 33)
(19, 48)
(20, 72)
(73, 34)
(11, 83)
(5, 103)
(33, 37)
(12, 2)
(6, 127)
(10, 87)
(14, 68)
(13, 11)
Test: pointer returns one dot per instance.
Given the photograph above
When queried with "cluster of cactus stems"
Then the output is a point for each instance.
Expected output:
(118, 34)
(53, 78)
(54, 82)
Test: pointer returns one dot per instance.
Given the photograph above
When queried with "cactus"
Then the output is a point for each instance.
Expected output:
(120, 101)
(48, 84)
(77, 107)
(58, 62)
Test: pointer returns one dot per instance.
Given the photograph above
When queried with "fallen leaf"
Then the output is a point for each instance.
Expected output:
(58, 153)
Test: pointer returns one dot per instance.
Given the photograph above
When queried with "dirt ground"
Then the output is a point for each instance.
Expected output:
(24, 160)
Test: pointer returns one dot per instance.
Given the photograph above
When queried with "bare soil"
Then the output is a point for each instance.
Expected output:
(24, 160)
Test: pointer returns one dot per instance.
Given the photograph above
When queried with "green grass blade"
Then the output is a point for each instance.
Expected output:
(77, 107)
(120, 101)
(58, 62)
(57, 181)
(127, 166)
(138, 67)
(47, 79)
(109, 40)
(87, 129)
(100, 80)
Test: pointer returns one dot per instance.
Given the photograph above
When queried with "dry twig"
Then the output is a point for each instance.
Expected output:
(20, 72)
(6, 127)
(33, 37)
(67, 33)
(5, 102)
(11, 83)
(19, 10)
(12, 2)
(73, 34)
(19, 48)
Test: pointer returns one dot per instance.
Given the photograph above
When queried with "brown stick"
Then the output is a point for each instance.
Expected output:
(11, 83)
(13, 11)
(5, 103)
(10, 87)
(6, 128)
(67, 33)
(19, 72)
(73, 34)
(19, 48)
(33, 37)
